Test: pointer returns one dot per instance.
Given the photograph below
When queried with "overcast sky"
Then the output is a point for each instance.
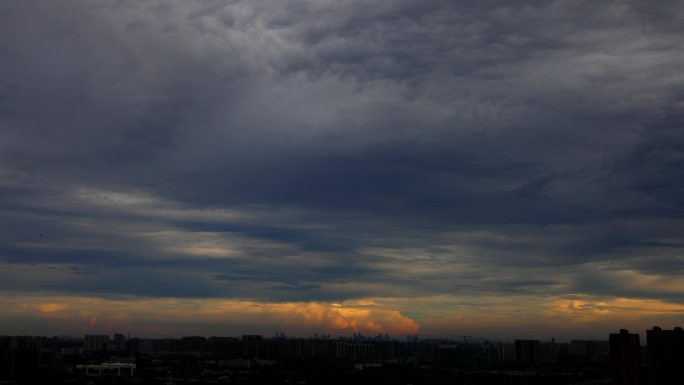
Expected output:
(490, 168)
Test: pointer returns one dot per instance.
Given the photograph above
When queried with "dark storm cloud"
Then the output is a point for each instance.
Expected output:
(248, 150)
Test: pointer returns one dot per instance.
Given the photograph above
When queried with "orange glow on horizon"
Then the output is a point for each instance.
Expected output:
(492, 316)
(177, 316)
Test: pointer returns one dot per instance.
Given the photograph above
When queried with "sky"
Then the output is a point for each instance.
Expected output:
(442, 168)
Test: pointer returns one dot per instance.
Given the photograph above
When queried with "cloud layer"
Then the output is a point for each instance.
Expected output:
(317, 152)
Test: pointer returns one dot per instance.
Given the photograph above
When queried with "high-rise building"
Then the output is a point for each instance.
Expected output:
(624, 358)
(528, 351)
(120, 342)
(665, 356)
(95, 343)
(551, 350)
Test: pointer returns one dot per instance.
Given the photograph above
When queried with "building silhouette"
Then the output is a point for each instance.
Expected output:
(95, 343)
(528, 351)
(19, 355)
(119, 342)
(625, 358)
(665, 356)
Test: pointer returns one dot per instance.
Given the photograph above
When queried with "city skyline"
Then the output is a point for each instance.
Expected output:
(406, 167)
(621, 359)
(112, 336)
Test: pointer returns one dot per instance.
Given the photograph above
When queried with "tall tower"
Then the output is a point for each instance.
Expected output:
(624, 358)
(665, 356)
